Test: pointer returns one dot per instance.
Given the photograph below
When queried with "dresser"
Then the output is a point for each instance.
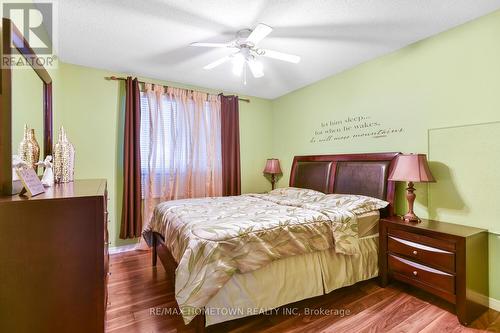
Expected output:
(447, 260)
(54, 260)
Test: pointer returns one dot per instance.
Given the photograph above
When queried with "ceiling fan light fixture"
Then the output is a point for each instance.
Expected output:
(245, 45)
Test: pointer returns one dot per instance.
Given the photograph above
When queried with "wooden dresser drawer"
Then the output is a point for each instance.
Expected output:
(106, 260)
(427, 255)
(106, 298)
(422, 274)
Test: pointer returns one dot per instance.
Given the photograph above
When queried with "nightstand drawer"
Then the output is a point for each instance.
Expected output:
(422, 274)
(424, 254)
(421, 239)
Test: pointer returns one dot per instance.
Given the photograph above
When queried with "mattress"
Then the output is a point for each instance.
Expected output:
(290, 280)
(368, 224)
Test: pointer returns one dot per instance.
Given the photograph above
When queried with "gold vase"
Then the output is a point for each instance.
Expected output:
(64, 159)
(29, 150)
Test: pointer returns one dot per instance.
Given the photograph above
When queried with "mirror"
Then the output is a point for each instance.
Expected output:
(27, 107)
(25, 97)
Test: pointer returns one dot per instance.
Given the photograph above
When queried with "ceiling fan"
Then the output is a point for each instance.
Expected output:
(246, 52)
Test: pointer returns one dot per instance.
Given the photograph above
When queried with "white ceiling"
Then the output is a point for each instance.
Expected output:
(150, 38)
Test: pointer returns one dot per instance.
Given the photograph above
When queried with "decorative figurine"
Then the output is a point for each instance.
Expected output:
(48, 174)
(17, 162)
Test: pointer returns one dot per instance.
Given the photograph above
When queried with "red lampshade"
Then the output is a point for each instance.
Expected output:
(411, 168)
(272, 166)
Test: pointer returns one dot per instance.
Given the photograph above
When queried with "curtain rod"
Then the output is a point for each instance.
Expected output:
(114, 78)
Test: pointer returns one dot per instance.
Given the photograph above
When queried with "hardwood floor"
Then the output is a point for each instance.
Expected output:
(135, 287)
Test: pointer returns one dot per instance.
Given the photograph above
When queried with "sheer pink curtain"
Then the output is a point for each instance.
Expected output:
(184, 149)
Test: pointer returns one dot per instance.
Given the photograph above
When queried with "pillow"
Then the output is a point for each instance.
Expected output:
(357, 204)
(297, 193)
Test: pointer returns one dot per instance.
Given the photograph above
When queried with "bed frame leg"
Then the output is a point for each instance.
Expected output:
(198, 324)
(155, 256)
(201, 324)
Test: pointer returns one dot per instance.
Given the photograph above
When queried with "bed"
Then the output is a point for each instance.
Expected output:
(314, 268)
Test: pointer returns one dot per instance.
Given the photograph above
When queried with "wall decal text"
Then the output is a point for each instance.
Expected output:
(352, 128)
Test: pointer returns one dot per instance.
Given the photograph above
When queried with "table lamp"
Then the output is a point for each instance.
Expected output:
(272, 168)
(411, 168)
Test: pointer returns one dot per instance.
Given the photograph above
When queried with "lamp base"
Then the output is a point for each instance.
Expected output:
(411, 217)
(410, 196)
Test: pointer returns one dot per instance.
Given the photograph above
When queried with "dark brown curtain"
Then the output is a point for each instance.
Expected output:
(230, 142)
(131, 225)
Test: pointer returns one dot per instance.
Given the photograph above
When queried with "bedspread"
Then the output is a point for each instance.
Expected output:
(213, 238)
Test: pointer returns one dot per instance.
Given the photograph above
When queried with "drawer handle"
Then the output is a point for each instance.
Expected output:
(107, 243)
(415, 252)
(415, 273)
(109, 273)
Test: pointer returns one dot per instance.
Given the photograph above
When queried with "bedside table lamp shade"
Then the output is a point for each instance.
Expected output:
(411, 168)
(272, 168)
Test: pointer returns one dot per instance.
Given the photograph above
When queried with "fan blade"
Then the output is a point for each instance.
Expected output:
(258, 34)
(217, 62)
(281, 56)
(256, 68)
(197, 44)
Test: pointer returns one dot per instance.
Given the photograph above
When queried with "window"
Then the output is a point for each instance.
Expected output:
(180, 147)
(145, 138)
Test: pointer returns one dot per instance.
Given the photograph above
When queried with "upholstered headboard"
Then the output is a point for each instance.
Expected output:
(364, 174)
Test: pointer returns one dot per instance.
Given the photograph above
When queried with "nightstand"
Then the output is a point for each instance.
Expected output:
(447, 260)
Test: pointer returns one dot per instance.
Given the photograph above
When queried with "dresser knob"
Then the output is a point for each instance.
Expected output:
(415, 273)
(415, 253)
(107, 243)
(109, 273)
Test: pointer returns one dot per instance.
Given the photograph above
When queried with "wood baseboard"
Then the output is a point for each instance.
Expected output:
(490, 302)
(121, 249)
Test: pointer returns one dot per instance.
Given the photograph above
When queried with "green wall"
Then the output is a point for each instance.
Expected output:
(451, 79)
(91, 110)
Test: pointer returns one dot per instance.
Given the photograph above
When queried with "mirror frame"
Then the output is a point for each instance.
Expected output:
(11, 35)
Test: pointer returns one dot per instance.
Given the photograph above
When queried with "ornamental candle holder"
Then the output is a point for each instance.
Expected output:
(64, 159)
